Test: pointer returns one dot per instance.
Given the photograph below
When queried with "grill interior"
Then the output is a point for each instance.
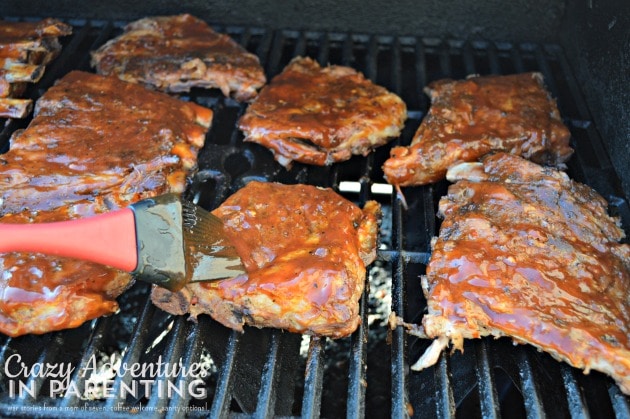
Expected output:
(267, 373)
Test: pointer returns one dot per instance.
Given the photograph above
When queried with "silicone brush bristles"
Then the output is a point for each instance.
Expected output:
(209, 253)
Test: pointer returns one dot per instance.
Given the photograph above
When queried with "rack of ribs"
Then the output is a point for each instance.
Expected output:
(322, 115)
(177, 53)
(472, 117)
(305, 250)
(525, 252)
(25, 49)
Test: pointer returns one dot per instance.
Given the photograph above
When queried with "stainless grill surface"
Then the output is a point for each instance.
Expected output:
(265, 373)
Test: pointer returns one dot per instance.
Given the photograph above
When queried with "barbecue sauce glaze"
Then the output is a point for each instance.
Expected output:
(320, 115)
(470, 118)
(305, 250)
(530, 254)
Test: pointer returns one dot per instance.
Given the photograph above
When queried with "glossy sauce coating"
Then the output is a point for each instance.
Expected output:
(41, 293)
(320, 115)
(530, 254)
(95, 135)
(95, 144)
(305, 250)
(470, 118)
(25, 48)
(176, 53)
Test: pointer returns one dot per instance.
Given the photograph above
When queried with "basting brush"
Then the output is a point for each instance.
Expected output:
(165, 240)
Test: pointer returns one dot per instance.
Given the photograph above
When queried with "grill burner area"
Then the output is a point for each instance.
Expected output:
(266, 373)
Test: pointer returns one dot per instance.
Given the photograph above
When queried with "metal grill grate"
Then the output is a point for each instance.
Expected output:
(266, 373)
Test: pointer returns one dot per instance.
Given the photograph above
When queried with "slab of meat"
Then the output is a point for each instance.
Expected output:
(470, 118)
(100, 138)
(25, 49)
(305, 250)
(95, 144)
(320, 116)
(525, 252)
(32, 42)
(177, 53)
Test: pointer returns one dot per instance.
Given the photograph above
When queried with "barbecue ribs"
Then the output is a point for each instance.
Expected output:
(177, 53)
(25, 49)
(305, 250)
(95, 144)
(525, 252)
(320, 116)
(470, 118)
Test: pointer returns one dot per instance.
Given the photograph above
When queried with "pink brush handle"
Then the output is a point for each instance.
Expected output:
(108, 239)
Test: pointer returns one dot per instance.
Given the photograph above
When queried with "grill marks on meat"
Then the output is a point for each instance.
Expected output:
(305, 250)
(470, 118)
(525, 252)
(25, 49)
(177, 53)
(322, 115)
(95, 144)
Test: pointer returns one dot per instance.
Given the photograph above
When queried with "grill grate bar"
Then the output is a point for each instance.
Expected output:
(133, 350)
(225, 380)
(545, 69)
(399, 390)
(174, 348)
(357, 380)
(488, 397)
(421, 73)
(300, 45)
(347, 54)
(399, 365)
(275, 55)
(95, 344)
(193, 345)
(324, 50)
(495, 65)
(445, 58)
(532, 398)
(265, 45)
(577, 405)
(396, 77)
(35, 382)
(313, 381)
(517, 59)
(269, 379)
(620, 403)
(357, 368)
(469, 59)
(444, 398)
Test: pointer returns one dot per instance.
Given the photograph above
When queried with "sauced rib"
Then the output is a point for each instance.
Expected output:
(98, 137)
(95, 144)
(305, 250)
(470, 118)
(39, 293)
(322, 115)
(25, 49)
(32, 42)
(177, 53)
(525, 252)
